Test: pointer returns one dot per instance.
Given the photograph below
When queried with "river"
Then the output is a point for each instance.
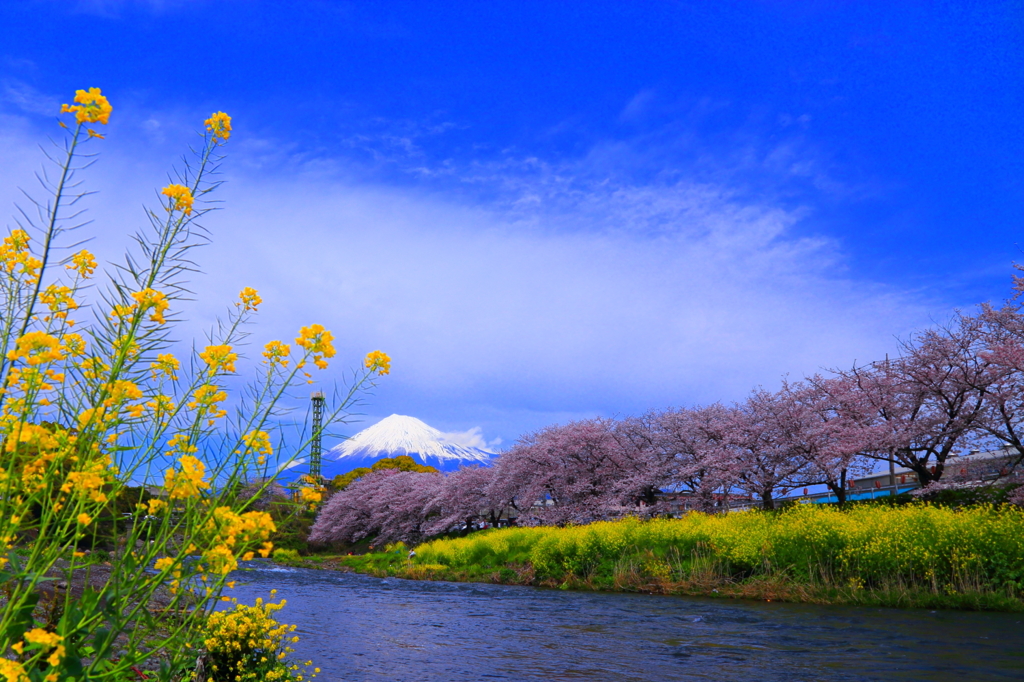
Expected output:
(356, 628)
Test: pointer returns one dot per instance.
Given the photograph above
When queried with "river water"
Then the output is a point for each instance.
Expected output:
(356, 627)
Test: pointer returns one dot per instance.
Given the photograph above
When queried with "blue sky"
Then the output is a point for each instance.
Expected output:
(549, 211)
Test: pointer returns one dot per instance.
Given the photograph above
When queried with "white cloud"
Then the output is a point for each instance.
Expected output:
(572, 293)
(28, 99)
(638, 106)
(472, 438)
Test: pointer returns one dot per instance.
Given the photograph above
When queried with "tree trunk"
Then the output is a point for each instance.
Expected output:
(839, 488)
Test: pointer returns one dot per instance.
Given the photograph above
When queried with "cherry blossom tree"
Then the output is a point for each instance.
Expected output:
(926, 403)
(1002, 417)
(828, 432)
(562, 474)
(695, 457)
(463, 499)
(644, 468)
(951, 387)
(389, 504)
(763, 447)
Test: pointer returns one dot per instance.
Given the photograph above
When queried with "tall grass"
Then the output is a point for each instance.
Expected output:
(916, 554)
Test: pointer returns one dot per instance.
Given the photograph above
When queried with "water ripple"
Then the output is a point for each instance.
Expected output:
(359, 628)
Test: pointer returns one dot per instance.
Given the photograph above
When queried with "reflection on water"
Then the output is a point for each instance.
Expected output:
(357, 627)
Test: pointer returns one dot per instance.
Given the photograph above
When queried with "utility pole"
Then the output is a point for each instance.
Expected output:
(315, 446)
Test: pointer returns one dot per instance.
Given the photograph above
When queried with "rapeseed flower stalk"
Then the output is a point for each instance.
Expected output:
(110, 442)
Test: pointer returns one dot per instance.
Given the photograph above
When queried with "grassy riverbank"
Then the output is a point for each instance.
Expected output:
(911, 556)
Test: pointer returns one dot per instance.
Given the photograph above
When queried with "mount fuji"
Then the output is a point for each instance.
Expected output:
(401, 435)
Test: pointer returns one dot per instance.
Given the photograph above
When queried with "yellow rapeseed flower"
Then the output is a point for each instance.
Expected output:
(36, 348)
(187, 482)
(151, 298)
(249, 298)
(310, 496)
(181, 443)
(181, 198)
(277, 353)
(317, 341)
(205, 400)
(15, 257)
(90, 107)
(84, 519)
(219, 124)
(12, 671)
(74, 344)
(378, 361)
(43, 638)
(33, 436)
(83, 262)
(166, 364)
(219, 358)
(58, 298)
(258, 442)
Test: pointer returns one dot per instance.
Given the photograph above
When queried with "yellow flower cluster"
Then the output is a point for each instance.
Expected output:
(13, 671)
(219, 124)
(90, 480)
(378, 361)
(41, 641)
(258, 442)
(311, 492)
(181, 198)
(83, 262)
(128, 345)
(188, 481)
(120, 392)
(277, 353)
(219, 358)
(15, 256)
(247, 644)
(36, 348)
(162, 407)
(90, 107)
(317, 341)
(59, 299)
(94, 368)
(30, 436)
(310, 496)
(74, 344)
(151, 298)
(165, 364)
(228, 532)
(60, 437)
(205, 401)
(249, 299)
(182, 443)
(32, 381)
(913, 546)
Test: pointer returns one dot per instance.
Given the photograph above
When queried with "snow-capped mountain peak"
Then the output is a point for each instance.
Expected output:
(402, 435)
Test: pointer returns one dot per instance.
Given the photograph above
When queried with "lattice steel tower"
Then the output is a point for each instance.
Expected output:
(315, 446)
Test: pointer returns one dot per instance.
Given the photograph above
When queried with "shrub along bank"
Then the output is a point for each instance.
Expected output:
(915, 555)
